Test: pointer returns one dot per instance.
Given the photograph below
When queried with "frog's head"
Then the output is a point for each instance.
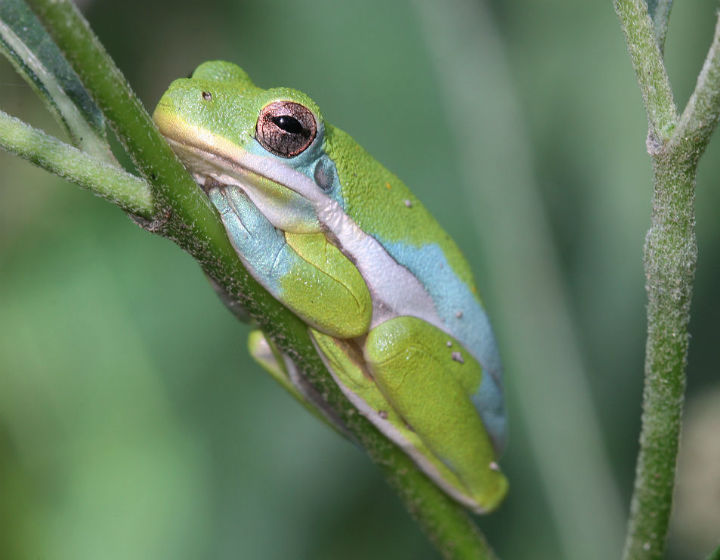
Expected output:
(269, 142)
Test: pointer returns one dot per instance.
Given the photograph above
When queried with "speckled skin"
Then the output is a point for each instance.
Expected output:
(342, 242)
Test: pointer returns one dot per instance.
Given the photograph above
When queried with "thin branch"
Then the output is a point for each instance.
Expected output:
(701, 114)
(659, 11)
(190, 221)
(129, 192)
(649, 69)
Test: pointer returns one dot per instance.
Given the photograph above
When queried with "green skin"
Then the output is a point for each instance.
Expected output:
(343, 243)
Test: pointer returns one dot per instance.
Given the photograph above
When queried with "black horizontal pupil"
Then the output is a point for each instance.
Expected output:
(289, 124)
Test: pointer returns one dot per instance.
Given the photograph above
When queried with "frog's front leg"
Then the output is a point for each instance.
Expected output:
(304, 271)
(429, 378)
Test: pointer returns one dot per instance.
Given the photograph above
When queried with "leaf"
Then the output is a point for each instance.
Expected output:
(37, 58)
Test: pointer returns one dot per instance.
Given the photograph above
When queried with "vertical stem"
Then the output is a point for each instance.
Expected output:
(670, 257)
(676, 145)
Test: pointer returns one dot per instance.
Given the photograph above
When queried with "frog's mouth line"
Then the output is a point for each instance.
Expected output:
(215, 163)
(212, 168)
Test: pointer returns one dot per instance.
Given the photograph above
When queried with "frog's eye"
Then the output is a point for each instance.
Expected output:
(285, 128)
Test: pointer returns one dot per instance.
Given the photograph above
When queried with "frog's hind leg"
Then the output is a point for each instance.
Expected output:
(429, 379)
(285, 372)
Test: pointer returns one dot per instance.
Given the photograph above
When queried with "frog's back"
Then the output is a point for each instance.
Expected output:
(380, 203)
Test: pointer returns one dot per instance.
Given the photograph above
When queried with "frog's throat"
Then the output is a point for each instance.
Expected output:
(395, 291)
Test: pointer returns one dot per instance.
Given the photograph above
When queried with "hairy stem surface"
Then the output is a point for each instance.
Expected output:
(129, 192)
(675, 145)
(670, 257)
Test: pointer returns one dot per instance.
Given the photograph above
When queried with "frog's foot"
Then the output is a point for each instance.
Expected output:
(429, 378)
(284, 371)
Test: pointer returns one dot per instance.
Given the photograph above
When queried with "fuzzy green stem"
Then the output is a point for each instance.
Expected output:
(670, 258)
(649, 68)
(130, 193)
(700, 116)
(184, 214)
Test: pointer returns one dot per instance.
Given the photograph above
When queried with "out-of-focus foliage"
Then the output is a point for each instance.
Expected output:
(698, 507)
(132, 422)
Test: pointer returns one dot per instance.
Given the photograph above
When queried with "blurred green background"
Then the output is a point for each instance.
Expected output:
(134, 425)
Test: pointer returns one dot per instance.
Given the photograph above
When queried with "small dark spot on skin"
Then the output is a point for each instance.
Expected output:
(459, 314)
(449, 343)
(408, 203)
(457, 356)
(207, 96)
(383, 414)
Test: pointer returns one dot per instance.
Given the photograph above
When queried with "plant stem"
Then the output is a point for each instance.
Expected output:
(670, 258)
(129, 192)
(184, 214)
(701, 114)
(649, 69)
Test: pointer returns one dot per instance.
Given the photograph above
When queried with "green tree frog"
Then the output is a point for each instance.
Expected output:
(388, 299)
